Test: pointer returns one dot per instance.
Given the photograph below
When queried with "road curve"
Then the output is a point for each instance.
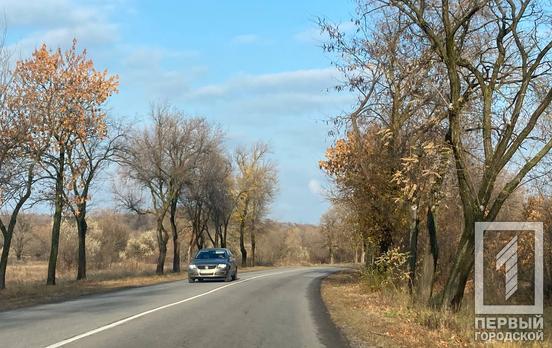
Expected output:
(276, 308)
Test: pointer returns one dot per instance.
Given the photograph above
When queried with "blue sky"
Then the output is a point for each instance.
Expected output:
(255, 68)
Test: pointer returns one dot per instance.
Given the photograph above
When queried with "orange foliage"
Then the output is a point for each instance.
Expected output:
(60, 95)
(339, 157)
(363, 176)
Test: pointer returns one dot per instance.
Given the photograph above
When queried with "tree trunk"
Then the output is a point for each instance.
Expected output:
(176, 241)
(434, 245)
(161, 259)
(200, 240)
(82, 228)
(366, 248)
(386, 241)
(7, 233)
(362, 253)
(224, 233)
(56, 227)
(211, 239)
(425, 284)
(162, 239)
(243, 250)
(191, 244)
(189, 251)
(463, 264)
(4, 258)
(253, 246)
(176, 255)
(223, 242)
(413, 248)
(52, 262)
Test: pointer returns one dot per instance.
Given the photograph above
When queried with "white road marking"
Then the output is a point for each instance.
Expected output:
(136, 316)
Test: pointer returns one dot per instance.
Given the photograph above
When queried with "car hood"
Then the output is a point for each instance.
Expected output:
(208, 261)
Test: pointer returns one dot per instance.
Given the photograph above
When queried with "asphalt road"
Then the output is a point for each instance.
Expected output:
(276, 308)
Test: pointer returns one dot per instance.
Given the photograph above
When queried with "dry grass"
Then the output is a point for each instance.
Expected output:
(390, 319)
(25, 284)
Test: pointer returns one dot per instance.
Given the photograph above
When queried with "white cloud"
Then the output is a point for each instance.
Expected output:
(146, 57)
(310, 80)
(155, 84)
(310, 35)
(285, 94)
(57, 22)
(316, 187)
(87, 34)
(158, 71)
(47, 13)
(245, 39)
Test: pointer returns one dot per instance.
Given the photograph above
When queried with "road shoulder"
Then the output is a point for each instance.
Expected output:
(329, 333)
(370, 319)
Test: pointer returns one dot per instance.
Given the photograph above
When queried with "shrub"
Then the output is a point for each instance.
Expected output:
(68, 245)
(389, 270)
(113, 236)
(141, 246)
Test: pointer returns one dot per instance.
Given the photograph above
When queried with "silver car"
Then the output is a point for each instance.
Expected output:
(213, 263)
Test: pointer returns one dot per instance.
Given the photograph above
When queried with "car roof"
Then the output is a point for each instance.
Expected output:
(218, 249)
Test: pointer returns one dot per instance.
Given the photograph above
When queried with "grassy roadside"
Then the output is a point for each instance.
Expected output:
(24, 294)
(389, 318)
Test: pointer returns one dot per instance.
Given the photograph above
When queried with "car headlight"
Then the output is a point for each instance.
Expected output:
(192, 266)
(221, 265)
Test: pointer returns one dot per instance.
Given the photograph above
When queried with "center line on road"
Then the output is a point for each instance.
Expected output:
(136, 316)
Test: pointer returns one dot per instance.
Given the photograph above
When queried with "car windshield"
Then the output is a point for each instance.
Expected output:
(211, 254)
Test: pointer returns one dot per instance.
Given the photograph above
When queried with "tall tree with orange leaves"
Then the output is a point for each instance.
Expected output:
(65, 95)
(17, 159)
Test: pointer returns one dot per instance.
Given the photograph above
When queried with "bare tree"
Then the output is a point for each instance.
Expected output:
(23, 235)
(328, 227)
(200, 196)
(16, 194)
(262, 195)
(145, 167)
(158, 162)
(221, 201)
(190, 144)
(256, 183)
(88, 158)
